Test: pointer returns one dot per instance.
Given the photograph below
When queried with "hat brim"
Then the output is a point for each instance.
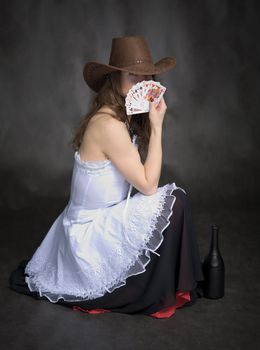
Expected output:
(94, 72)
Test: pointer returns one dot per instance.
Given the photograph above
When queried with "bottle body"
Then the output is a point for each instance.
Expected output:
(214, 269)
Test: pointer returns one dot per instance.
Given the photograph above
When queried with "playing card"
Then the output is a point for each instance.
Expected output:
(153, 91)
(135, 98)
(135, 94)
(138, 97)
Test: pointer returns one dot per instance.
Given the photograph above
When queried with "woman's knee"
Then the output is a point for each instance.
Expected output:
(181, 199)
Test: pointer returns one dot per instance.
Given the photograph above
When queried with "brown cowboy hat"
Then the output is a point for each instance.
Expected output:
(129, 54)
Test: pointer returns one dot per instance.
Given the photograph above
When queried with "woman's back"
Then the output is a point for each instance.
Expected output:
(91, 146)
(95, 184)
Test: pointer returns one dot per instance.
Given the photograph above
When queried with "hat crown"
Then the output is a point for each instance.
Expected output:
(129, 51)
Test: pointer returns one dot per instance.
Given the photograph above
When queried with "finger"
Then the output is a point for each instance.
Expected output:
(151, 105)
(162, 103)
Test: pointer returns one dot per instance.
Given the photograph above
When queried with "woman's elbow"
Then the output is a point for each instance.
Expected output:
(151, 191)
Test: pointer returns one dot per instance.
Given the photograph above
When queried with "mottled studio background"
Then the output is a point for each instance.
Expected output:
(211, 149)
(210, 136)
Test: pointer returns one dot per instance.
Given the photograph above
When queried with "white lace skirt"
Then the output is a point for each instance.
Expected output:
(84, 259)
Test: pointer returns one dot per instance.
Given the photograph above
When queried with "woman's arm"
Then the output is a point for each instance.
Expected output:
(153, 162)
(116, 144)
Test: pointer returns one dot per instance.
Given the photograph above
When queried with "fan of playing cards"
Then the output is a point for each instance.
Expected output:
(138, 97)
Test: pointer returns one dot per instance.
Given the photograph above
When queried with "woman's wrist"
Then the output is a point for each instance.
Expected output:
(155, 129)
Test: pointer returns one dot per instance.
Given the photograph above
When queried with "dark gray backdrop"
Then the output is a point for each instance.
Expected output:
(210, 143)
(210, 134)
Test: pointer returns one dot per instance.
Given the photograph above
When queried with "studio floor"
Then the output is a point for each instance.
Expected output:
(226, 323)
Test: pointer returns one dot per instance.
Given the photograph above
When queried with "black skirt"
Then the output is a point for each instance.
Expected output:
(176, 272)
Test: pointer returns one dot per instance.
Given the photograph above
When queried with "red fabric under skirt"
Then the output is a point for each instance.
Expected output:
(181, 297)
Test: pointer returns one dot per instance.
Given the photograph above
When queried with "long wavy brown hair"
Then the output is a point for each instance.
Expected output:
(110, 95)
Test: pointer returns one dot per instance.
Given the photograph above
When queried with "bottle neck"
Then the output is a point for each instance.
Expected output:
(214, 249)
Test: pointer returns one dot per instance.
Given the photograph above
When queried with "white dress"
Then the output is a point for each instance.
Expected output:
(103, 236)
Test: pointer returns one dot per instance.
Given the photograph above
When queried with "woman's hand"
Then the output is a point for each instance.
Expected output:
(156, 114)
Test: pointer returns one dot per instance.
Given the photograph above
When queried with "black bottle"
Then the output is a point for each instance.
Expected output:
(214, 269)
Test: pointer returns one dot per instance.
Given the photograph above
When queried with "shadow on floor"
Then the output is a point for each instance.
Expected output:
(226, 323)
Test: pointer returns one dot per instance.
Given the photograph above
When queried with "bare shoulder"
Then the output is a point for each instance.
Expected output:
(106, 123)
(100, 129)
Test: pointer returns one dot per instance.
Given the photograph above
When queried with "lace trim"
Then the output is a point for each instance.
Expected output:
(134, 228)
(132, 256)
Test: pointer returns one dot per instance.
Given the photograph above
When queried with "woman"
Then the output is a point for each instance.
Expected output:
(108, 250)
